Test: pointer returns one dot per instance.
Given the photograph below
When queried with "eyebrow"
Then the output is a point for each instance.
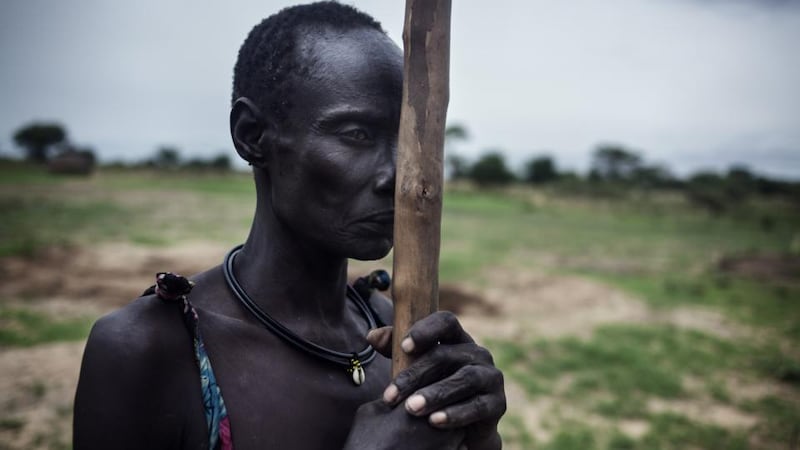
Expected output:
(337, 115)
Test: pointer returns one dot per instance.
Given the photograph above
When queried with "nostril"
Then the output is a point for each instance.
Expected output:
(384, 182)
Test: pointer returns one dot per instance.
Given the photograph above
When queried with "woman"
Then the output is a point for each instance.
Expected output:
(282, 356)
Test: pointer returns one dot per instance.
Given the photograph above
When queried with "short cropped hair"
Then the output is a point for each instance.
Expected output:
(267, 59)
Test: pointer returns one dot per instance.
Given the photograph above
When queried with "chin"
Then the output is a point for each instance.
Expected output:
(371, 251)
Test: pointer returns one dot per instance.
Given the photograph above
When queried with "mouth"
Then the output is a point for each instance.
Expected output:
(378, 224)
(382, 217)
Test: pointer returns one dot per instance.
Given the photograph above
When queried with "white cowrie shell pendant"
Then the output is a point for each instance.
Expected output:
(358, 375)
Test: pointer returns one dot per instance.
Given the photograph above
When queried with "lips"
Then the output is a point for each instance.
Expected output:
(383, 217)
(380, 223)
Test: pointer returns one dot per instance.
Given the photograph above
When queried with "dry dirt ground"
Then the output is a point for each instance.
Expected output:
(37, 384)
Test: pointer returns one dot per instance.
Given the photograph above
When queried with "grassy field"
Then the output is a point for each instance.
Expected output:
(625, 385)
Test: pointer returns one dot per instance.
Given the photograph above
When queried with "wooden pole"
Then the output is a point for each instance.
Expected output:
(418, 191)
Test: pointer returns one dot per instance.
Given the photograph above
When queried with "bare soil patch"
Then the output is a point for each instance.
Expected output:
(780, 268)
(106, 276)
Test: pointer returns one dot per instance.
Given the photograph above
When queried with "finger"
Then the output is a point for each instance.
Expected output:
(381, 340)
(466, 382)
(481, 408)
(441, 327)
(435, 365)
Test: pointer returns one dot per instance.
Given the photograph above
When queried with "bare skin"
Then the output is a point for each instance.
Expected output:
(325, 184)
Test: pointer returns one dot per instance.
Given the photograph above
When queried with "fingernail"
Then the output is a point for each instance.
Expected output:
(371, 333)
(390, 394)
(407, 345)
(438, 418)
(415, 403)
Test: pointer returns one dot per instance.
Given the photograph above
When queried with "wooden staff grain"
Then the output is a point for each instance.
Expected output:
(418, 192)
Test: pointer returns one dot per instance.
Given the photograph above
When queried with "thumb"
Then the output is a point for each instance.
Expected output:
(381, 340)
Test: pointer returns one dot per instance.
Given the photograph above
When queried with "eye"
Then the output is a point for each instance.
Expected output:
(356, 134)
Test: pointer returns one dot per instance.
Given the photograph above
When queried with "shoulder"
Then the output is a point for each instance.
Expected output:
(137, 378)
(144, 329)
(145, 340)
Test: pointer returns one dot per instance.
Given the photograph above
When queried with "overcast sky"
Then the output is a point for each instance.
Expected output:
(694, 84)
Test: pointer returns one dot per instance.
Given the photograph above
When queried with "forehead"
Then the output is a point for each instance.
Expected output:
(329, 50)
(358, 64)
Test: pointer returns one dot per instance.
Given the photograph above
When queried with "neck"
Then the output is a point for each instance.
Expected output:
(288, 278)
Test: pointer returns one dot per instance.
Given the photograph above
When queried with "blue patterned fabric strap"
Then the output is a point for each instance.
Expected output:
(213, 404)
(172, 288)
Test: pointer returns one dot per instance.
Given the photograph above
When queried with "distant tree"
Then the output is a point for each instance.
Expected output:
(221, 162)
(491, 169)
(768, 186)
(167, 158)
(611, 162)
(456, 132)
(653, 176)
(38, 139)
(457, 166)
(740, 182)
(707, 190)
(196, 163)
(541, 169)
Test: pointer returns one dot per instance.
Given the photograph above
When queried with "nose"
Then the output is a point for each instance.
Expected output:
(386, 170)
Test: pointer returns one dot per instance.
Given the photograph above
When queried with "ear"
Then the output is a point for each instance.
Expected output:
(251, 133)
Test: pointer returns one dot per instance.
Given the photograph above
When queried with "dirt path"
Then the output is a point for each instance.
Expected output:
(37, 384)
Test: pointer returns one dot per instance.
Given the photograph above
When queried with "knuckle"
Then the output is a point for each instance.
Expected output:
(436, 359)
(480, 407)
(485, 378)
(406, 378)
(435, 396)
(497, 378)
(483, 355)
(496, 405)
(449, 320)
(503, 407)
(470, 373)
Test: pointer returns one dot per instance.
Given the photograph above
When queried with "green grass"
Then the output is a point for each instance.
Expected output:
(598, 238)
(616, 372)
(652, 245)
(620, 366)
(666, 432)
(11, 423)
(477, 231)
(782, 418)
(24, 328)
(676, 432)
(762, 302)
(31, 223)
(575, 438)
(143, 207)
(205, 183)
(17, 173)
(666, 254)
(513, 431)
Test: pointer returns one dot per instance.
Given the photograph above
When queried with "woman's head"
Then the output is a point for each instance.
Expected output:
(325, 151)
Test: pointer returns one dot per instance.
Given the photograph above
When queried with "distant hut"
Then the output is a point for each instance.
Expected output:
(72, 162)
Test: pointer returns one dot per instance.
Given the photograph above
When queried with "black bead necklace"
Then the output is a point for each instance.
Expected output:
(353, 362)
